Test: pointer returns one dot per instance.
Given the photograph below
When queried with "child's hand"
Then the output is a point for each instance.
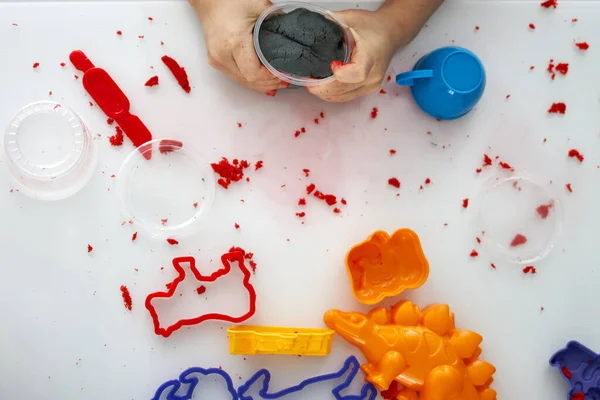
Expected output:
(376, 43)
(227, 26)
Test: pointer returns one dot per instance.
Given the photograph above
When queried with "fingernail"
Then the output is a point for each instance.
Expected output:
(271, 93)
(284, 85)
(336, 64)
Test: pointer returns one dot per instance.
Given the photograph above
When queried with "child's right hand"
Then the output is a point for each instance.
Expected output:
(227, 27)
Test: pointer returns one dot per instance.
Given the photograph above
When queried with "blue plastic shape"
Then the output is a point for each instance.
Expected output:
(580, 366)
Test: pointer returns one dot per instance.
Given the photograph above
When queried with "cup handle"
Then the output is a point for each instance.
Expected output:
(408, 78)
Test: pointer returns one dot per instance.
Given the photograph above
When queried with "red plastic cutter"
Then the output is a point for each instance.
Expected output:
(226, 259)
(111, 99)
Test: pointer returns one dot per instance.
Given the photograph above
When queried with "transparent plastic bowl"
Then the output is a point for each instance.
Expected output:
(165, 187)
(506, 207)
(289, 6)
(48, 150)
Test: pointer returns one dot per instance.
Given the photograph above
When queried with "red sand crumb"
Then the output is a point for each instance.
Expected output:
(236, 225)
(337, 210)
(195, 205)
(374, 112)
(478, 170)
(62, 64)
(427, 181)
(557, 108)
(465, 203)
(300, 214)
(343, 201)
(76, 77)
(529, 269)
(505, 165)
(563, 68)
(134, 236)
(229, 172)
(549, 3)
(117, 138)
(140, 36)
(126, 297)
(35, 65)
(316, 120)
(201, 289)
(550, 69)
(532, 27)
(394, 182)
(486, 160)
(310, 188)
(392, 152)
(239, 124)
(258, 165)
(178, 72)
(531, 68)
(582, 46)
(110, 121)
(119, 33)
(306, 172)
(544, 209)
(164, 221)
(576, 154)
(90, 248)
(474, 253)
(152, 81)
(172, 242)
(507, 96)
(569, 188)
(518, 240)
(492, 265)
(476, 28)
(382, 91)
(150, 19)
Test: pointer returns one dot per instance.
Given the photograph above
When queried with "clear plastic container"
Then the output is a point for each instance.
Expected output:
(507, 207)
(289, 6)
(49, 152)
(166, 188)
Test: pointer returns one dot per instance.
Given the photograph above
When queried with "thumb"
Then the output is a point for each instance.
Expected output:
(359, 67)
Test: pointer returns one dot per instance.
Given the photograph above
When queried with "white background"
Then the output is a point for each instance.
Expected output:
(64, 332)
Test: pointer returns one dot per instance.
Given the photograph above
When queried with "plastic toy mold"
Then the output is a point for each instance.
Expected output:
(384, 266)
(349, 370)
(184, 387)
(189, 386)
(419, 349)
(226, 259)
(250, 340)
(580, 366)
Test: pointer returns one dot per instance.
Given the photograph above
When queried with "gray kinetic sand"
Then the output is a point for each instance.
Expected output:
(302, 43)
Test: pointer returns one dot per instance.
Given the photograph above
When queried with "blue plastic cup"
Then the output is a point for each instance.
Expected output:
(446, 83)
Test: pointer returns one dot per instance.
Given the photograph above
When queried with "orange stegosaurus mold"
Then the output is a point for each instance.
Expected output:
(421, 350)
(384, 266)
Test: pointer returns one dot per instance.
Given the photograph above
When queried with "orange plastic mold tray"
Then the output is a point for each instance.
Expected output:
(384, 266)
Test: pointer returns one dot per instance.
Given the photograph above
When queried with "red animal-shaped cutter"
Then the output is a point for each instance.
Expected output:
(226, 259)
(111, 99)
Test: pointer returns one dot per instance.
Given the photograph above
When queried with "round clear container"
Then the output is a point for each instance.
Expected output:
(166, 188)
(289, 6)
(508, 209)
(48, 150)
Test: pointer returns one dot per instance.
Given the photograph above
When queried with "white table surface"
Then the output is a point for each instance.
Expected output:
(64, 332)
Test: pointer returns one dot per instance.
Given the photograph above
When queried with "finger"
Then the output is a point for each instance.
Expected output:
(333, 89)
(358, 69)
(248, 63)
(350, 95)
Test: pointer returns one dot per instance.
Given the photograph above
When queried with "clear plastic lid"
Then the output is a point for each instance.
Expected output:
(289, 6)
(517, 219)
(49, 151)
(165, 187)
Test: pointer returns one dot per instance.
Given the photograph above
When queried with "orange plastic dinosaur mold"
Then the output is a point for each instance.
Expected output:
(418, 349)
(384, 266)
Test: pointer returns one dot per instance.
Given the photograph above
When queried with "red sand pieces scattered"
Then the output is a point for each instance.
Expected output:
(557, 108)
(229, 172)
(117, 138)
(576, 154)
(152, 81)
(394, 182)
(550, 3)
(544, 209)
(178, 72)
(518, 240)
(126, 297)
(582, 46)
